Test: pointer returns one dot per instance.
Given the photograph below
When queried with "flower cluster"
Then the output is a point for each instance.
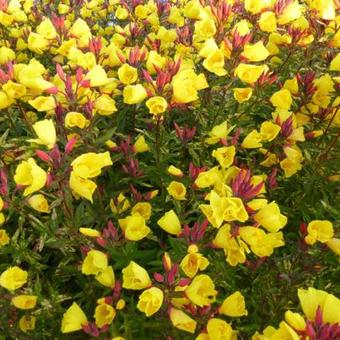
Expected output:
(159, 159)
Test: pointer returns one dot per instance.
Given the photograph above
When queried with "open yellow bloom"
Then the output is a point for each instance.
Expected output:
(127, 74)
(234, 305)
(170, 223)
(177, 190)
(134, 94)
(94, 263)
(27, 323)
(312, 298)
(90, 164)
(104, 314)
(73, 319)
(4, 239)
(186, 85)
(182, 321)
(135, 277)
(82, 186)
(13, 278)
(29, 174)
(242, 94)
(249, 73)
(39, 203)
(106, 277)
(319, 230)
(219, 329)
(256, 52)
(193, 262)
(150, 301)
(225, 156)
(156, 105)
(134, 227)
(76, 119)
(46, 133)
(270, 218)
(24, 301)
(201, 290)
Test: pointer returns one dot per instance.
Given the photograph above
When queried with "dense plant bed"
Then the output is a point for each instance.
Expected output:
(169, 169)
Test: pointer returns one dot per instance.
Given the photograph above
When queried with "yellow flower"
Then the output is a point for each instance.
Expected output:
(177, 190)
(154, 59)
(14, 90)
(269, 131)
(267, 22)
(201, 290)
(282, 99)
(76, 119)
(290, 166)
(234, 305)
(82, 187)
(90, 232)
(333, 244)
(182, 321)
(186, 85)
(174, 171)
(31, 77)
(233, 209)
(127, 74)
(27, 323)
(243, 94)
(325, 8)
(319, 230)
(270, 218)
(225, 156)
(290, 13)
(4, 239)
(39, 203)
(170, 223)
(142, 208)
(312, 298)
(90, 164)
(37, 43)
(73, 319)
(13, 278)
(295, 320)
(121, 13)
(215, 63)
(106, 277)
(249, 73)
(97, 76)
(5, 100)
(134, 94)
(6, 55)
(193, 262)
(104, 315)
(156, 105)
(150, 301)
(29, 174)
(334, 66)
(135, 277)
(24, 301)
(105, 105)
(140, 145)
(134, 227)
(46, 133)
(217, 133)
(94, 263)
(256, 52)
(252, 140)
(219, 329)
(256, 6)
(43, 103)
(46, 29)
